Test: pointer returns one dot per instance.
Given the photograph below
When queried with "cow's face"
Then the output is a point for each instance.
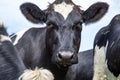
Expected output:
(64, 37)
(64, 21)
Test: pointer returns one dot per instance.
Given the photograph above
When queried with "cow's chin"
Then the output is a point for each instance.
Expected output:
(62, 65)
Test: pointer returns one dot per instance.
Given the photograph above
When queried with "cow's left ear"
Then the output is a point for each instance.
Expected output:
(95, 12)
(33, 13)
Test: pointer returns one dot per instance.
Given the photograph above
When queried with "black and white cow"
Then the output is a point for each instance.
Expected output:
(107, 51)
(55, 47)
(11, 64)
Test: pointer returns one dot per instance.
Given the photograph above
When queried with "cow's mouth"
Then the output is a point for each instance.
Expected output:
(64, 64)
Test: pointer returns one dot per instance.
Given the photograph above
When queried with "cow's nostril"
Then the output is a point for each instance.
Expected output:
(67, 56)
(59, 56)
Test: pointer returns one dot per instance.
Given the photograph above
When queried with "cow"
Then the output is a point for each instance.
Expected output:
(55, 46)
(11, 64)
(107, 51)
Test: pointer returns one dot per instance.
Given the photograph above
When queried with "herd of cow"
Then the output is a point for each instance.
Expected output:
(51, 53)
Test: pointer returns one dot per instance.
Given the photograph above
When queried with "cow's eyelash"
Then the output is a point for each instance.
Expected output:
(51, 23)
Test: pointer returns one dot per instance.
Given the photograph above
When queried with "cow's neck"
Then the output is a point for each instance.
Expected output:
(59, 73)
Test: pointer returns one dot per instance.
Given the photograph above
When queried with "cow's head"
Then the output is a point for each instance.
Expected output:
(64, 21)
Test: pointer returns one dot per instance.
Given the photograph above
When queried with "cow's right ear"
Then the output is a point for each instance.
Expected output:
(33, 13)
(95, 12)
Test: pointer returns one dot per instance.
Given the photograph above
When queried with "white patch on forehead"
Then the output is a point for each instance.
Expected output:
(19, 35)
(4, 38)
(63, 9)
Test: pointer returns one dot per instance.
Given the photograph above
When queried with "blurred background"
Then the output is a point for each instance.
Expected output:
(14, 21)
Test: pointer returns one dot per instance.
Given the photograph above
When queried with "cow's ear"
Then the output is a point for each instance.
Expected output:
(33, 13)
(95, 12)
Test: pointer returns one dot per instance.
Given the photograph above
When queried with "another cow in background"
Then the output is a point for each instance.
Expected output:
(107, 51)
(11, 64)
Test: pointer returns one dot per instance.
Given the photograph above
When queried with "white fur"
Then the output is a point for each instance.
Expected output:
(19, 35)
(63, 9)
(101, 71)
(37, 74)
(4, 38)
(99, 63)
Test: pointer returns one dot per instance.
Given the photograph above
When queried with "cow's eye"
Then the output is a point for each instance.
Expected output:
(50, 24)
(77, 26)
(53, 25)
